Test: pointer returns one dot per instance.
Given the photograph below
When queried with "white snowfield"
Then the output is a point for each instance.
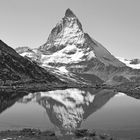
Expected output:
(78, 55)
(63, 69)
(64, 56)
(28, 54)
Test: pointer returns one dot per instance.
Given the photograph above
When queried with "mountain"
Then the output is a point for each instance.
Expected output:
(70, 53)
(69, 45)
(17, 69)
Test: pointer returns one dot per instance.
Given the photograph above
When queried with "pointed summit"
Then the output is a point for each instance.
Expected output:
(66, 32)
(69, 13)
(71, 18)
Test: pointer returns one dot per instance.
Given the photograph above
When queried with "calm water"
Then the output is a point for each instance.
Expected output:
(64, 110)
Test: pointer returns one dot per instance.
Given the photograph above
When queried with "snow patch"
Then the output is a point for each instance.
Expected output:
(119, 94)
(127, 62)
(29, 54)
(63, 69)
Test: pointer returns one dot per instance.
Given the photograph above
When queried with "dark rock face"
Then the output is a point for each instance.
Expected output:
(69, 13)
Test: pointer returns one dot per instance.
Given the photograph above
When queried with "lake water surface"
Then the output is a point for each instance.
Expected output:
(65, 110)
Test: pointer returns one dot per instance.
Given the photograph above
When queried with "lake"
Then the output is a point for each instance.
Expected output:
(65, 110)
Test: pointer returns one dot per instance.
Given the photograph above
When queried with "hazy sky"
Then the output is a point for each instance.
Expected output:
(113, 23)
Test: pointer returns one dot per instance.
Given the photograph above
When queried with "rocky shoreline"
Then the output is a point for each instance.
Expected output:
(36, 134)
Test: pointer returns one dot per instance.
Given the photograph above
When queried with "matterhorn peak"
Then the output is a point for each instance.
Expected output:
(71, 19)
(68, 43)
(69, 13)
(67, 32)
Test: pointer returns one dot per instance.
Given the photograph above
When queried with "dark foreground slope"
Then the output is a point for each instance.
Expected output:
(18, 70)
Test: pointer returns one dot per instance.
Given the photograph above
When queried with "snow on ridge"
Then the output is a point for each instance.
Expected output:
(63, 69)
(64, 56)
(127, 62)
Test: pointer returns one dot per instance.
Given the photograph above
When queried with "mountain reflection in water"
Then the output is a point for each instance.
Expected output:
(67, 108)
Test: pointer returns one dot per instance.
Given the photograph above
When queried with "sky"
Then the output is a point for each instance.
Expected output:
(113, 23)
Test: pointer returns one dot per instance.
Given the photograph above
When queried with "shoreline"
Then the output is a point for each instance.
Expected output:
(37, 134)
